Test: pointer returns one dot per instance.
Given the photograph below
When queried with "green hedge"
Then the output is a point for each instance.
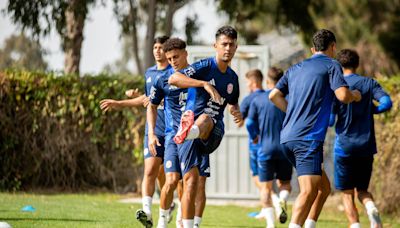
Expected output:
(54, 135)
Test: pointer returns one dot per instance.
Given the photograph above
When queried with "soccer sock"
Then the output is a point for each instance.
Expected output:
(275, 202)
(370, 207)
(269, 216)
(163, 218)
(147, 202)
(309, 223)
(294, 225)
(284, 195)
(188, 223)
(194, 132)
(355, 225)
(197, 221)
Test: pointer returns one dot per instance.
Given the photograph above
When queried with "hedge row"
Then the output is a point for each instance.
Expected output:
(54, 135)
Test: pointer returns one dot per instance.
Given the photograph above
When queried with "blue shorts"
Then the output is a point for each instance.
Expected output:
(205, 165)
(253, 161)
(191, 151)
(160, 149)
(269, 170)
(353, 172)
(171, 158)
(306, 156)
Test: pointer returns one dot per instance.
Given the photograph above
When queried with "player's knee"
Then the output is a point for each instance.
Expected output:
(151, 173)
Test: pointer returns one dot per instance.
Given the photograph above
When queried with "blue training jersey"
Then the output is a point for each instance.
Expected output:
(269, 120)
(310, 87)
(227, 85)
(151, 76)
(244, 109)
(355, 133)
(174, 102)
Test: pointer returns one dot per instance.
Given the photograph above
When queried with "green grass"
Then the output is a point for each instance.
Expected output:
(104, 210)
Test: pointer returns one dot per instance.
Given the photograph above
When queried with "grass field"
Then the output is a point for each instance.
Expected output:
(104, 210)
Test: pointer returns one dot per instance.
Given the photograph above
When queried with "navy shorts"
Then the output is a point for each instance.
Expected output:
(171, 158)
(269, 170)
(306, 156)
(353, 172)
(212, 143)
(253, 161)
(160, 149)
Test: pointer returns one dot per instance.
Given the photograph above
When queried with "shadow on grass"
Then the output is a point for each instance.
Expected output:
(48, 219)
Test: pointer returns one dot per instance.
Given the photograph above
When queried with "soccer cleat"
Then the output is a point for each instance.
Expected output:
(141, 216)
(187, 121)
(283, 215)
(375, 219)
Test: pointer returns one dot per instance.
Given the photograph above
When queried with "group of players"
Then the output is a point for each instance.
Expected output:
(287, 125)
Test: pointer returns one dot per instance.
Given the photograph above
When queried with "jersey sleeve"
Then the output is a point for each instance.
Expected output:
(336, 79)
(156, 92)
(244, 107)
(253, 114)
(252, 121)
(377, 90)
(283, 83)
(198, 69)
(145, 85)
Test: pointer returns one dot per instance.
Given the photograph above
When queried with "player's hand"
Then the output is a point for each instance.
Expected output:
(108, 104)
(356, 95)
(213, 93)
(146, 101)
(255, 140)
(132, 93)
(153, 143)
(237, 115)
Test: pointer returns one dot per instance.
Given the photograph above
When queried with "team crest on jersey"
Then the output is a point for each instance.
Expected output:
(229, 88)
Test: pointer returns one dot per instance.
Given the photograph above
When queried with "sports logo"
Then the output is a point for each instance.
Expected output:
(229, 88)
(168, 164)
(148, 80)
(182, 166)
(146, 151)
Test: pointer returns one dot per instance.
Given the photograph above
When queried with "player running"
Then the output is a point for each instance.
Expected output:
(355, 144)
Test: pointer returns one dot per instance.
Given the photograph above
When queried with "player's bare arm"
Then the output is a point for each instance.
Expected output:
(151, 122)
(109, 104)
(278, 98)
(182, 81)
(344, 95)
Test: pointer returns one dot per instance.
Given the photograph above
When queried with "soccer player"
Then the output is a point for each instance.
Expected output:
(254, 80)
(206, 106)
(264, 117)
(152, 164)
(175, 101)
(355, 144)
(310, 86)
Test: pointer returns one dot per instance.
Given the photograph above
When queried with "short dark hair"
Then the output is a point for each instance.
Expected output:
(174, 43)
(348, 58)
(226, 30)
(160, 39)
(275, 73)
(323, 39)
(256, 75)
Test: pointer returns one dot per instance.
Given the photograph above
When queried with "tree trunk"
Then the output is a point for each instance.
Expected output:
(172, 8)
(135, 48)
(151, 29)
(75, 21)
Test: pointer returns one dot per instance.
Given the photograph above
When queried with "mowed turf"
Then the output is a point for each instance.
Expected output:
(105, 210)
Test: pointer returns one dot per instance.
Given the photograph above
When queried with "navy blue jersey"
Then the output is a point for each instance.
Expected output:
(174, 102)
(151, 76)
(355, 134)
(227, 85)
(269, 120)
(310, 87)
(244, 109)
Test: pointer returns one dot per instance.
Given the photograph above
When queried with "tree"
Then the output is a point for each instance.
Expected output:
(22, 52)
(66, 16)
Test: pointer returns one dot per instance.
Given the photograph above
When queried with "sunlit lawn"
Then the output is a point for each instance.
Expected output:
(105, 210)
